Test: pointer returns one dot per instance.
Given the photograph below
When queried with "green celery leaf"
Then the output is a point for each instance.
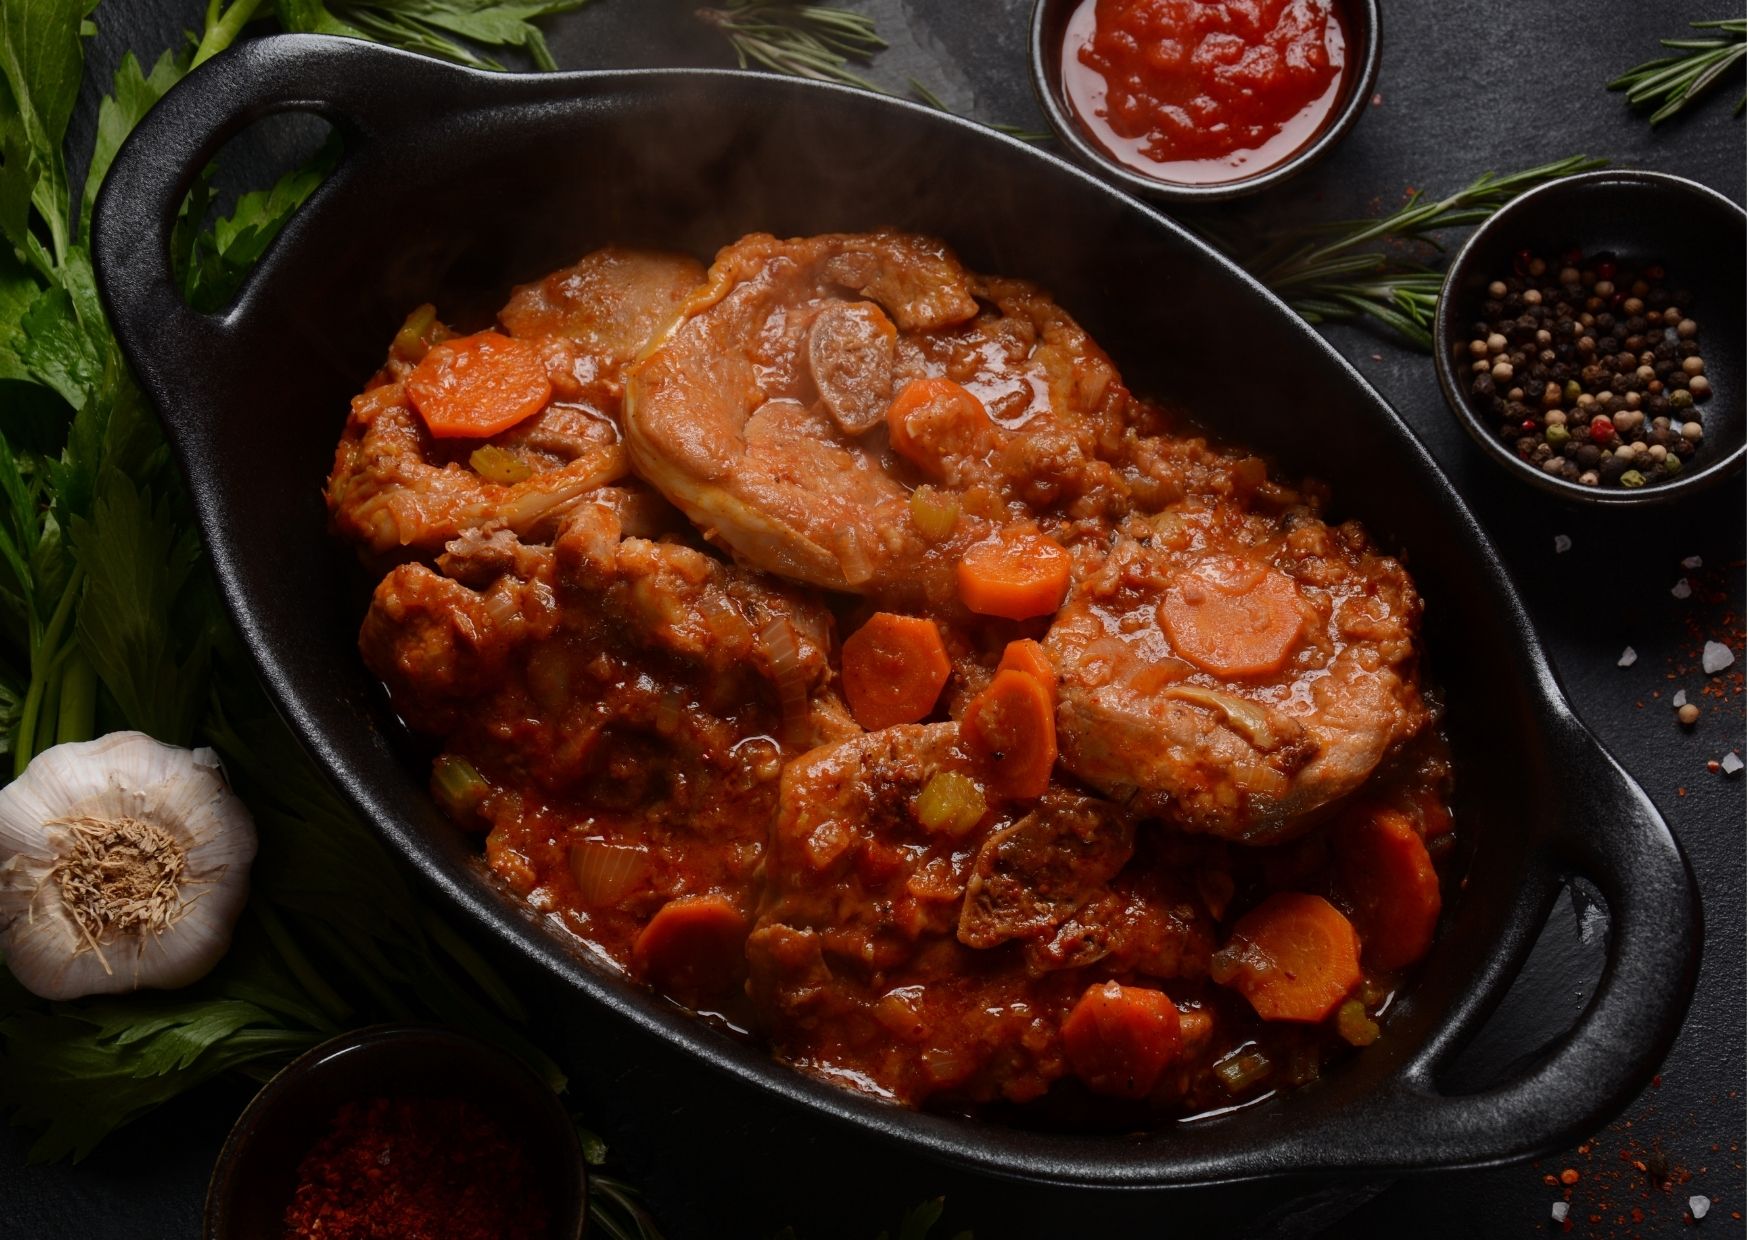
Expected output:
(312, 17)
(70, 1079)
(423, 25)
(137, 557)
(501, 25)
(131, 97)
(169, 1031)
(21, 529)
(41, 63)
(222, 258)
(11, 708)
(920, 1220)
(55, 351)
(18, 288)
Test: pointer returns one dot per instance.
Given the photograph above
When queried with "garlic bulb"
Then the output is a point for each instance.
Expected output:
(125, 865)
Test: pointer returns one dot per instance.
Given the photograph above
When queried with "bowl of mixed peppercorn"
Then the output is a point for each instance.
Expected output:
(401, 1133)
(1590, 335)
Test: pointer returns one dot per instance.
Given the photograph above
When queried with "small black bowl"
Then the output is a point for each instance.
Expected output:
(1696, 233)
(1363, 21)
(252, 1181)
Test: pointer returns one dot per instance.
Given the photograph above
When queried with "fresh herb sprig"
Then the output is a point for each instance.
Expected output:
(815, 41)
(1335, 272)
(433, 27)
(818, 42)
(1674, 82)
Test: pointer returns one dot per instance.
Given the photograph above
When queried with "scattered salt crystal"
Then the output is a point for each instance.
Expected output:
(1679, 700)
(1716, 658)
(1698, 1206)
(1562, 544)
(1693, 561)
(1681, 589)
(1560, 1210)
(1629, 656)
(1731, 764)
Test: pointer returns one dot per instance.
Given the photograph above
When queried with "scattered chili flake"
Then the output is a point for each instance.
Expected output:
(416, 1169)
(1569, 1176)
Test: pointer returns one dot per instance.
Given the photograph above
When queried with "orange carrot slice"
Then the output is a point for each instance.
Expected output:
(894, 669)
(1029, 657)
(1235, 618)
(1119, 1039)
(1011, 726)
(934, 418)
(1294, 956)
(694, 945)
(1388, 878)
(1016, 574)
(477, 386)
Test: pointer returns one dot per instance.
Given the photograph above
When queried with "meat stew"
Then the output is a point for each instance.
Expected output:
(831, 641)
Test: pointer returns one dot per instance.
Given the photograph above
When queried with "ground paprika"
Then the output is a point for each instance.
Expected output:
(417, 1169)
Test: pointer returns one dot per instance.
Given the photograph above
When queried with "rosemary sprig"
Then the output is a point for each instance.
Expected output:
(814, 41)
(1330, 272)
(817, 41)
(1676, 81)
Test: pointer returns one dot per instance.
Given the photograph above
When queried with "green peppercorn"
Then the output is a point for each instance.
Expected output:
(1573, 390)
(1556, 435)
(1632, 478)
(1671, 464)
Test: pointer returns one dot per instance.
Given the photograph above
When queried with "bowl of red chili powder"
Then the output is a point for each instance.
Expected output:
(401, 1133)
(1202, 100)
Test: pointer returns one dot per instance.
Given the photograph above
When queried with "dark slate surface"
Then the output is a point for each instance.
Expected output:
(1499, 84)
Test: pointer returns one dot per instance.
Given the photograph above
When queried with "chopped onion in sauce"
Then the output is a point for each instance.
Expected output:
(778, 637)
(607, 873)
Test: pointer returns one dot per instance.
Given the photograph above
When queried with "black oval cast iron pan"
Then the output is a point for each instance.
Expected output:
(455, 185)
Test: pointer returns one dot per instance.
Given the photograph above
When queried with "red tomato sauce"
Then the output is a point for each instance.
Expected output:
(1203, 91)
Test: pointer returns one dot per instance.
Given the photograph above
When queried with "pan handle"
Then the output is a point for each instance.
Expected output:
(1609, 833)
(359, 88)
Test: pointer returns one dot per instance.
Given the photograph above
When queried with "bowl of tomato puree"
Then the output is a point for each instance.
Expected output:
(1197, 100)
